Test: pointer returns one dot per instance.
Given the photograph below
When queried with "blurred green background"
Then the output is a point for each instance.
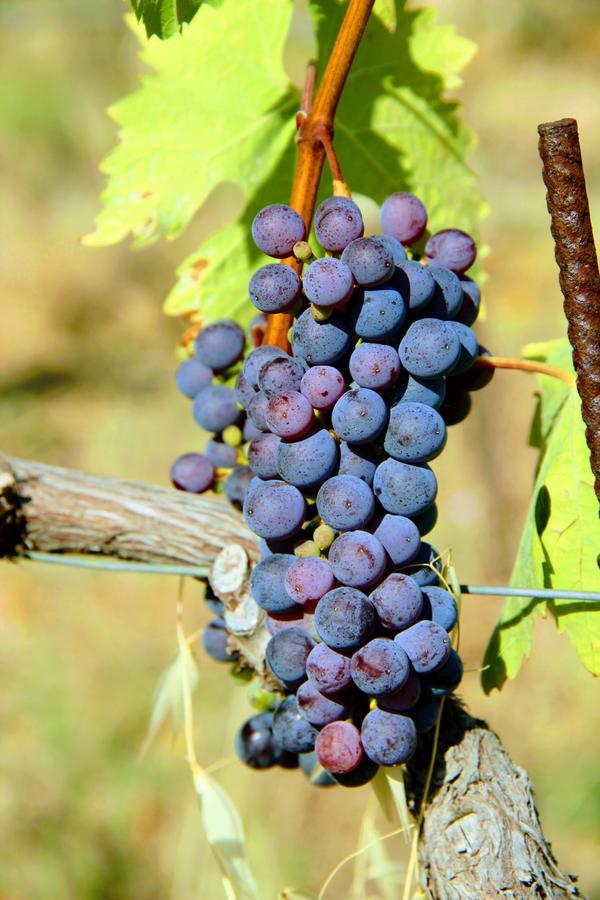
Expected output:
(86, 380)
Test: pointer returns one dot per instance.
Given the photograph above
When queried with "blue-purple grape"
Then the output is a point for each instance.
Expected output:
(262, 455)
(308, 579)
(328, 671)
(471, 301)
(404, 489)
(323, 386)
(426, 644)
(357, 559)
(404, 217)
(365, 771)
(452, 248)
(316, 708)
(283, 373)
(359, 416)
(254, 742)
(426, 521)
(327, 282)
(257, 411)
(290, 728)
(286, 655)
(220, 344)
(339, 747)
(425, 713)
(469, 347)
(446, 679)
(370, 261)
(236, 484)
(215, 408)
(267, 584)
(410, 389)
(345, 502)
(416, 433)
(448, 296)
(389, 739)
(394, 246)
(191, 376)
(274, 510)
(256, 360)
(375, 366)
(276, 228)
(378, 314)
(426, 566)
(289, 415)
(475, 378)
(440, 607)
(214, 641)
(398, 601)
(308, 462)
(358, 461)
(345, 618)
(274, 288)
(405, 697)
(338, 221)
(415, 283)
(400, 538)
(380, 667)
(243, 391)
(222, 456)
(192, 472)
(250, 431)
(457, 404)
(321, 343)
(429, 348)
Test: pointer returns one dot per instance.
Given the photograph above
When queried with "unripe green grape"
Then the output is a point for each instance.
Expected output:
(232, 435)
(307, 548)
(324, 536)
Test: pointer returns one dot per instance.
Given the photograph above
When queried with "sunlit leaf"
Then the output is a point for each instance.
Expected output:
(164, 18)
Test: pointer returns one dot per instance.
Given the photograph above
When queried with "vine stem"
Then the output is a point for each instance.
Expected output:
(313, 126)
(525, 365)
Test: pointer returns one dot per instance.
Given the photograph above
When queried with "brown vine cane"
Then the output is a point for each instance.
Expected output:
(579, 278)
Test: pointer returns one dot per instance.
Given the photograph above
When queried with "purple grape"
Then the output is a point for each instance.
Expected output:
(327, 282)
(409, 389)
(425, 566)
(380, 667)
(283, 373)
(250, 431)
(327, 670)
(358, 461)
(274, 510)
(339, 747)
(222, 456)
(338, 221)
(345, 618)
(274, 288)
(220, 344)
(257, 411)
(426, 521)
(405, 697)
(215, 408)
(323, 386)
(365, 771)
(308, 762)
(359, 416)
(254, 743)
(307, 463)
(290, 728)
(378, 314)
(416, 433)
(357, 559)
(440, 607)
(276, 228)
(415, 283)
(388, 738)
(277, 622)
(308, 579)
(375, 366)
(425, 713)
(243, 391)
(452, 248)
(316, 708)
(398, 601)
(471, 301)
(447, 678)
(404, 489)
(427, 646)
(321, 343)
(289, 415)
(370, 261)
(267, 584)
(429, 348)
(448, 297)
(345, 502)
(214, 641)
(475, 378)
(286, 655)
(400, 538)
(262, 455)
(404, 217)
(192, 472)
(457, 404)
(469, 347)
(256, 360)
(394, 247)
(236, 484)
(191, 376)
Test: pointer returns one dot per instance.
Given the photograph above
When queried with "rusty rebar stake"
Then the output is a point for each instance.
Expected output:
(579, 278)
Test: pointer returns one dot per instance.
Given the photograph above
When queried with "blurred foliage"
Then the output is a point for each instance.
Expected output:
(86, 380)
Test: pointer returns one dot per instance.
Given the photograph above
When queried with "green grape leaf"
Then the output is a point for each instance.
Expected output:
(164, 18)
(557, 548)
(386, 10)
(217, 106)
(394, 129)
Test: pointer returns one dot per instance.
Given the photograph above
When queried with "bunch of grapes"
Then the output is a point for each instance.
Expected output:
(337, 484)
